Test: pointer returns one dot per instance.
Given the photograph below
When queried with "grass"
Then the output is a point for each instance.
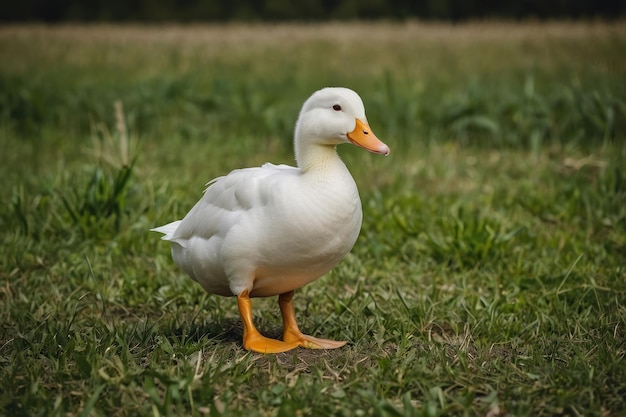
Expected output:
(489, 275)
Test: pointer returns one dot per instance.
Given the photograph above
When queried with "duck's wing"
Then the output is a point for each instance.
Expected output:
(226, 200)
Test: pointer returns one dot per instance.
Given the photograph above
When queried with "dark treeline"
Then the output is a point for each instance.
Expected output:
(278, 10)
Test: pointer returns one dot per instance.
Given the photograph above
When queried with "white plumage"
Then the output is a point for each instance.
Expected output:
(269, 230)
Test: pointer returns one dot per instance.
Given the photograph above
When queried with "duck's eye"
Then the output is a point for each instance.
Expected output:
(337, 107)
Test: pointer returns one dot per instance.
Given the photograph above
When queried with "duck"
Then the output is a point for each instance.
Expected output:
(267, 231)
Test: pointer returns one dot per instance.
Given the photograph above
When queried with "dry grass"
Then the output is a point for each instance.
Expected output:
(431, 45)
(373, 32)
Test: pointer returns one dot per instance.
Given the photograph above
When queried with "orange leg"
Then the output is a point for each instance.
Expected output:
(252, 339)
(291, 333)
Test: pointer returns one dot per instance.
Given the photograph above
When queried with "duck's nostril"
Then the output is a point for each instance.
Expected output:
(365, 132)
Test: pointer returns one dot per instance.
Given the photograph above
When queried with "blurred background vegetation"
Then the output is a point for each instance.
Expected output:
(307, 10)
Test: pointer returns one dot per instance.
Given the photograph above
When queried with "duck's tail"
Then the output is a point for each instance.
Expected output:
(168, 230)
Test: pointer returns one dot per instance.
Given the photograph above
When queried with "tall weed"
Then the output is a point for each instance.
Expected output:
(97, 202)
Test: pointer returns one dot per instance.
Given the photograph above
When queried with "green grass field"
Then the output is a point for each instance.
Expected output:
(489, 278)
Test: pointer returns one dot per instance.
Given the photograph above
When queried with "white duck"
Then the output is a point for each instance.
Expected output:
(260, 232)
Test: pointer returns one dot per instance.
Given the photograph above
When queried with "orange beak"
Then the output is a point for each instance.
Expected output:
(363, 136)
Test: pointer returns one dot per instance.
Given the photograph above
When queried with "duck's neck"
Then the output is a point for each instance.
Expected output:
(318, 159)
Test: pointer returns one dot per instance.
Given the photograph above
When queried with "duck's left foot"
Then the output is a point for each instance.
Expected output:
(310, 342)
(291, 333)
(258, 343)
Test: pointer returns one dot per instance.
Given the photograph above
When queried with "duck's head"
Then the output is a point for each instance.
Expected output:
(336, 115)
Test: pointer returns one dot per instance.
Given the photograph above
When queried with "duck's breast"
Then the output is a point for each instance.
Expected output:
(302, 232)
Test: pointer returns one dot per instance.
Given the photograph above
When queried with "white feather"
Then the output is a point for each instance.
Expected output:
(276, 228)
